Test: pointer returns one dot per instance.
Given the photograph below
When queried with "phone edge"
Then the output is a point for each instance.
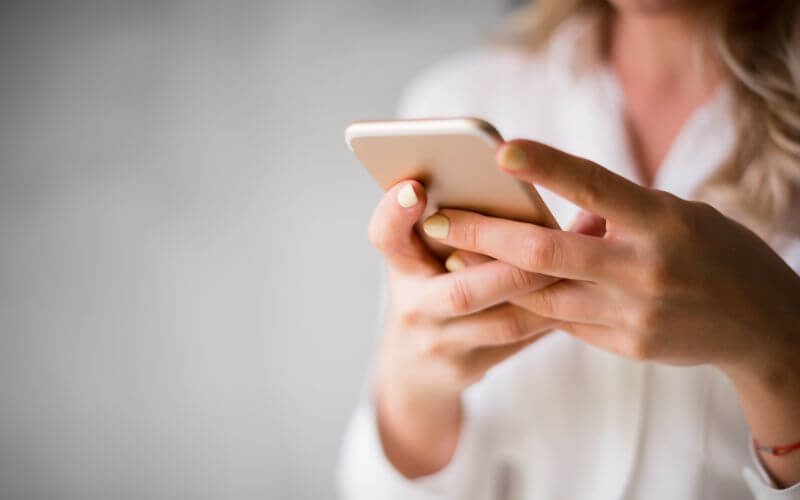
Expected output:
(440, 126)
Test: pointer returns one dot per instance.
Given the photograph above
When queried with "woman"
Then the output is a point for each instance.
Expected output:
(654, 350)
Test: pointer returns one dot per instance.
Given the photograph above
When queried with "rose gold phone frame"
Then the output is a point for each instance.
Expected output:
(454, 158)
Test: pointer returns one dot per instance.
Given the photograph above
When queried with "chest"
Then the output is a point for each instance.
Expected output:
(669, 143)
(653, 119)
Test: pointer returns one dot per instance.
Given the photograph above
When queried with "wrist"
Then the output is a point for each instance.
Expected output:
(419, 430)
(422, 409)
(767, 381)
(767, 356)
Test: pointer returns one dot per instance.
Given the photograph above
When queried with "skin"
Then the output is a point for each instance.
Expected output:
(642, 273)
(665, 75)
(439, 338)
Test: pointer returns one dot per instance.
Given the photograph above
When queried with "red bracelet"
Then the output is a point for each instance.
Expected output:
(777, 451)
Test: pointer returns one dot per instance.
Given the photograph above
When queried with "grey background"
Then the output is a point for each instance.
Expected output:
(187, 294)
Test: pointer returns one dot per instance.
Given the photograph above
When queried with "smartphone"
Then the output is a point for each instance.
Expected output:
(454, 158)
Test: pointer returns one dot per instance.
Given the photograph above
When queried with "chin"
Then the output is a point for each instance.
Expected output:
(649, 6)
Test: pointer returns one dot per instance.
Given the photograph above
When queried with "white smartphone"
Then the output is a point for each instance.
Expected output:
(454, 158)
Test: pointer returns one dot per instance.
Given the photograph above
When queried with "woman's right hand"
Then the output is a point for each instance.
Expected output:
(443, 332)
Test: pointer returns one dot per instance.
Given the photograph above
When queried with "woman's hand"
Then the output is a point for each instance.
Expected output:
(669, 280)
(443, 332)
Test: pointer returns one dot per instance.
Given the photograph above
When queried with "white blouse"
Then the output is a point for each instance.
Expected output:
(563, 419)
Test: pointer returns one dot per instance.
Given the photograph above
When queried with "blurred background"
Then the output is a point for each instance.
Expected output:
(187, 293)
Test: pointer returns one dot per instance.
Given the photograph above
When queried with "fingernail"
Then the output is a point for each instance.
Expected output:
(454, 263)
(513, 157)
(436, 226)
(407, 197)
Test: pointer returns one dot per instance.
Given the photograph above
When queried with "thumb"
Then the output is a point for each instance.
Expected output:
(391, 230)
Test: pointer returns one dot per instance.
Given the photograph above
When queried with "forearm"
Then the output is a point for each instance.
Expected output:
(419, 432)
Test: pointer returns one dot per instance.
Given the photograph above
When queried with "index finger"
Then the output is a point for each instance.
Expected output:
(579, 180)
(530, 247)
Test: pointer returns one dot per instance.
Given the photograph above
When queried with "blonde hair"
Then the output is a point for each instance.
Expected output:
(758, 46)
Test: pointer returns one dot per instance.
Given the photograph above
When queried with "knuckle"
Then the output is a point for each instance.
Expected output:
(659, 266)
(541, 252)
(659, 206)
(655, 268)
(541, 302)
(664, 252)
(662, 201)
(520, 279)
(704, 210)
(408, 318)
(679, 218)
(431, 346)
(459, 297)
(687, 218)
(655, 274)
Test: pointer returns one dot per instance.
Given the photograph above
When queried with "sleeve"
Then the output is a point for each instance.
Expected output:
(761, 484)
(365, 473)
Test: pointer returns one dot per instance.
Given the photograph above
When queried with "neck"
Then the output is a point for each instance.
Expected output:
(662, 50)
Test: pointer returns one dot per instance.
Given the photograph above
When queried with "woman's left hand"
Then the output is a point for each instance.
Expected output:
(670, 280)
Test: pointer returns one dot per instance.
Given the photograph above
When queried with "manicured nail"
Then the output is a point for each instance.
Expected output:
(436, 226)
(513, 157)
(454, 263)
(406, 197)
